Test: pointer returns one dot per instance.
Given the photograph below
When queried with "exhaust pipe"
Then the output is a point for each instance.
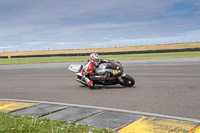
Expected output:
(81, 81)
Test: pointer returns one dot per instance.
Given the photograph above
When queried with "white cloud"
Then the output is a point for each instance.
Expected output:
(60, 22)
(8, 47)
(10, 30)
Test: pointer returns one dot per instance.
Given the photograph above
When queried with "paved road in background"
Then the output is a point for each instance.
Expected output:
(163, 86)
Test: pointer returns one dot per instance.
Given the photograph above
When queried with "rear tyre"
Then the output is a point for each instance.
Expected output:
(128, 81)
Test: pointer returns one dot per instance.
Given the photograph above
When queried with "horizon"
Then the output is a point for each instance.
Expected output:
(142, 46)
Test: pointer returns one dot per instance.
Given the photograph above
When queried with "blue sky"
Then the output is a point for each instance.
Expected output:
(67, 24)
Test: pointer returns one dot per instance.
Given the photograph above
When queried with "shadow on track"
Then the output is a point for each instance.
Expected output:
(100, 87)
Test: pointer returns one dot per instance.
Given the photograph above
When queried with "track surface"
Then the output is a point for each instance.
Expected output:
(169, 87)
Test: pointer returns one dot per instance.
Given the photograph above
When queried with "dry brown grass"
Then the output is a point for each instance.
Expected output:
(113, 49)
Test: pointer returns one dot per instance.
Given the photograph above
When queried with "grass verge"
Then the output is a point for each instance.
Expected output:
(10, 123)
(34, 60)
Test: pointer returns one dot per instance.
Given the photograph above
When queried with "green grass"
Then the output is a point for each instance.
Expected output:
(34, 60)
(10, 123)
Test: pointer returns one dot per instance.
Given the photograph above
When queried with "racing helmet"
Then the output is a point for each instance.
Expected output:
(95, 58)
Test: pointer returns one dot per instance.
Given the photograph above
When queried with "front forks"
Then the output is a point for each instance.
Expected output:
(123, 74)
(120, 77)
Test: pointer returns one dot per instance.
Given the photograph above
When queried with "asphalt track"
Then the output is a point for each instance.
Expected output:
(163, 86)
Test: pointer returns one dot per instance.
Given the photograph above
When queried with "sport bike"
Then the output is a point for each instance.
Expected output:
(112, 69)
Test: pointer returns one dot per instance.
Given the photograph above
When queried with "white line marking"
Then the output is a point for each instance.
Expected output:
(108, 109)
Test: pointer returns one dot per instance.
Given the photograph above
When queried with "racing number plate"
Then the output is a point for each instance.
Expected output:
(115, 71)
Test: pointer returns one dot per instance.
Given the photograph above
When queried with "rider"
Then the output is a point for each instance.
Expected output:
(88, 72)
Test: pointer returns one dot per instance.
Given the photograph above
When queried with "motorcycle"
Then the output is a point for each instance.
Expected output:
(112, 69)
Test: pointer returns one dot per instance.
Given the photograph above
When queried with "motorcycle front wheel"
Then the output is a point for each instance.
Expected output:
(128, 81)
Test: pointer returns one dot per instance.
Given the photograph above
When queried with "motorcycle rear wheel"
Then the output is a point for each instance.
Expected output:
(128, 81)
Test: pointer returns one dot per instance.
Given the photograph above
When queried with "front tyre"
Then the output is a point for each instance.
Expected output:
(128, 81)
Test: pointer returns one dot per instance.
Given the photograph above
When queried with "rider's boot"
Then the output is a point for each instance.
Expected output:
(89, 82)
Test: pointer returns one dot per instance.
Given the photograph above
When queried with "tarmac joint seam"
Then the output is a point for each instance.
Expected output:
(89, 116)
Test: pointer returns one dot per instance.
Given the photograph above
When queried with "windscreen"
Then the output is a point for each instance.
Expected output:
(111, 65)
